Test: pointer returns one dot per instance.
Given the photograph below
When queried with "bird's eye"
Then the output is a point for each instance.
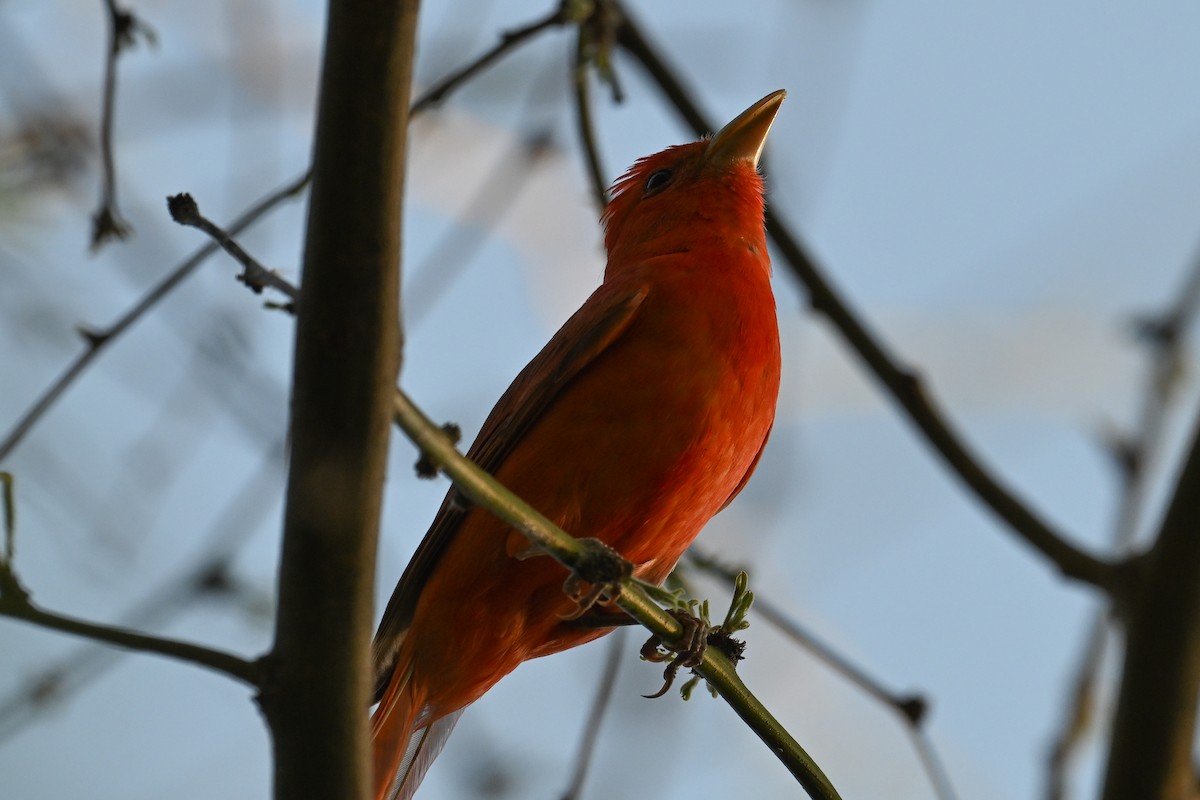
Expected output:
(658, 180)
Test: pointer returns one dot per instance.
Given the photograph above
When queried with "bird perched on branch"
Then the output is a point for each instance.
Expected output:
(642, 417)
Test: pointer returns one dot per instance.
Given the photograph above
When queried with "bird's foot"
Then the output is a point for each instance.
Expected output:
(596, 579)
(687, 651)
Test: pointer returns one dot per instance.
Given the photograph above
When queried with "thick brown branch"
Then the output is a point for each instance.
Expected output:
(1155, 723)
(1134, 455)
(346, 360)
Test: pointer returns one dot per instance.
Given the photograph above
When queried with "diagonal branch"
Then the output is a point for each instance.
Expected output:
(902, 382)
(600, 704)
(911, 708)
(481, 488)
(567, 12)
(97, 340)
(210, 576)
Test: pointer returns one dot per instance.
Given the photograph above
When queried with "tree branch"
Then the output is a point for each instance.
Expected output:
(911, 708)
(208, 577)
(346, 361)
(509, 40)
(1134, 455)
(15, 604)
(583, 119)
(483, 489)
(902, 383)
(600, 704)
(123, 28)
(1155, 722)
(96, 341)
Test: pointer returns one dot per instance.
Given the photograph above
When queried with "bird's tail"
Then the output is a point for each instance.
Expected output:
(403, 752)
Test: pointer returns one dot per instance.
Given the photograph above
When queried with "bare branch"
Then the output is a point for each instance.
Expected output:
(347, 356)
(483, 489)
(123, 30)
(184, 210)
(97, 340)
(583, 121)
(902, 383)
(1080, 713)
(911, 708)
(509, 41)
(207, 577)
(600, 704)
(1134, 456)
(1155, 722)
(15, 604)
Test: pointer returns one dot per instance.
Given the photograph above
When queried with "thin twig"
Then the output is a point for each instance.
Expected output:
(583, 121)
(509, 40)
(903, 383)
(96, 340)
(911, 708)
(240, 515)
(123, 27)
(184, 210)
(16, 605)
(1079, 715)
(600, 705)
(932, 763)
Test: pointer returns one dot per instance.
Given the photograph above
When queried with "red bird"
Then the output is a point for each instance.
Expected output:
(642, 418)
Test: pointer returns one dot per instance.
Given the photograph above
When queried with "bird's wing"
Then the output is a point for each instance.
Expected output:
(602, 320)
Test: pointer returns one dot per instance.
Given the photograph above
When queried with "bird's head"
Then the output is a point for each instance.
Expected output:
(693, 196)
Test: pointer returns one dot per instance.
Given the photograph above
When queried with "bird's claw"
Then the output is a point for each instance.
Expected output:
(687, 651)
(597, 578)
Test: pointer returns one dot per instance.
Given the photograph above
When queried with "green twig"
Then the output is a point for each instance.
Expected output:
(484, 490)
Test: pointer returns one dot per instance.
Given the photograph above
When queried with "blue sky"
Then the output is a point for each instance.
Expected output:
(997, 187)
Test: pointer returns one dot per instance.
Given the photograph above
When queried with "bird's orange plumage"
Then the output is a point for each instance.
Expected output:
(638, 421)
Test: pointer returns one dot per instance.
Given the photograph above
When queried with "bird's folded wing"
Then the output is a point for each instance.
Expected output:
(601, 321)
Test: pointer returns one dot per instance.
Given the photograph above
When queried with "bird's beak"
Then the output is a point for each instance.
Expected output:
(743, 139)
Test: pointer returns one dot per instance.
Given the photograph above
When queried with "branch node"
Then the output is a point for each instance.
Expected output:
(127, 26)
(108, 224)
(184, 210)
(913, 707)
(426, 468)
(93, 338)
(599, 566)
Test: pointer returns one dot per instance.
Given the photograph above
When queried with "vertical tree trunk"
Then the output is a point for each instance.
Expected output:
(1150, 755)
(346, 361)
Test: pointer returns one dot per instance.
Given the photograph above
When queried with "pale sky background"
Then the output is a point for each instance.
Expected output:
(998, 187)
